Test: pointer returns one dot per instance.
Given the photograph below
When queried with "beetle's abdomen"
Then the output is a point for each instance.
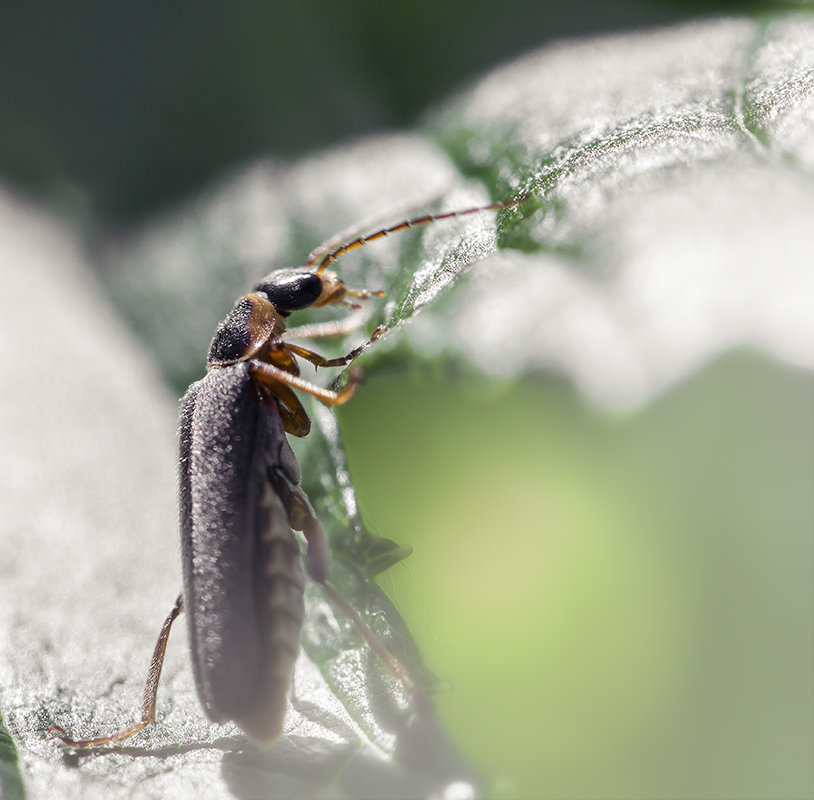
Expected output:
(243, 571)
(281, 608)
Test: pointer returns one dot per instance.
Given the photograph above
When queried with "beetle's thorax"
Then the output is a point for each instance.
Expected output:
(246, 330)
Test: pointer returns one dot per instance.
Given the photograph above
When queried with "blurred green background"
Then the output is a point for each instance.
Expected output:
(626, 597)
(125, 107)
(619, 607)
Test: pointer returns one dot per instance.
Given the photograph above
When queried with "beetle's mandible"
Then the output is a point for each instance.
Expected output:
(240, 498)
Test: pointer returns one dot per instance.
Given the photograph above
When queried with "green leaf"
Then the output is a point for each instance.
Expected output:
(11, 784)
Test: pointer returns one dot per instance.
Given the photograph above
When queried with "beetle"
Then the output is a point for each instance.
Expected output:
(240, 499)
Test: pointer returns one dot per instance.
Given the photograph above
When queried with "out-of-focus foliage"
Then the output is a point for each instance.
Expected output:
(125, 106)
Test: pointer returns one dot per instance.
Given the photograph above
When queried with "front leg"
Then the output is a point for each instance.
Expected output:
(272, 376)
(320, 361)
(331, 329)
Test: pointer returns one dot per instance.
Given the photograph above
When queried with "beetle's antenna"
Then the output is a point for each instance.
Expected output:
(329, 258)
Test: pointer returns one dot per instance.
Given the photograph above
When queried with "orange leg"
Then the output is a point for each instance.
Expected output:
(390, 662)
(295, 420)
(273, 377)
(328, 330)
(320, 361)
(318, 562)
(150, 692)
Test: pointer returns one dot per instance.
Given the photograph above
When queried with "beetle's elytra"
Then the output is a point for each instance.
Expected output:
(240, 498)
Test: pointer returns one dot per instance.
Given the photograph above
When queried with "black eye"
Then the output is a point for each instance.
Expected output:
(291, 289)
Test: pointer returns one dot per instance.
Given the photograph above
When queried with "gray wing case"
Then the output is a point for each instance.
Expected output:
(243, 570)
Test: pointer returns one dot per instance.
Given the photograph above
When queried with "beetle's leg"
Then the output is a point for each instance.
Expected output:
(328, 330)
(295, 419)
(320, 361)
(273, 377)
(150, 692)
(389, 661)
(340, 293)
(362, 294)
(317, 561)
(302, 517)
